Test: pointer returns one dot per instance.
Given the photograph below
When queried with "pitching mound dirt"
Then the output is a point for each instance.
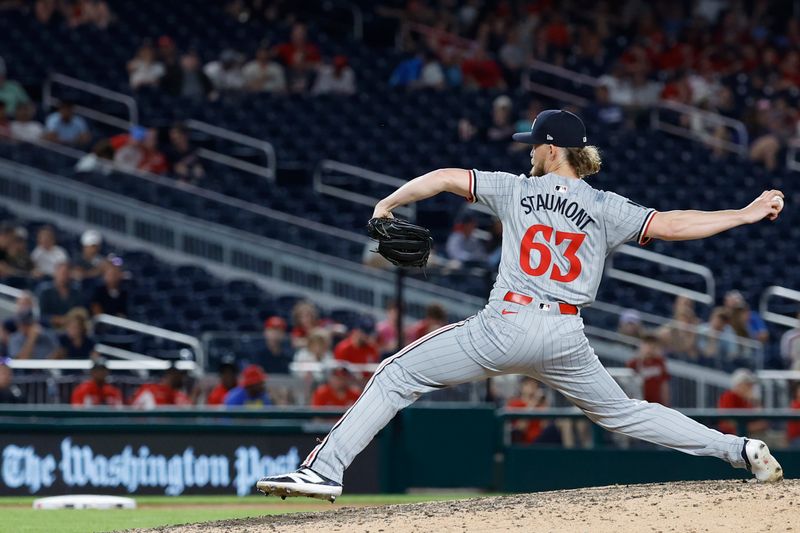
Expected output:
(711, 506)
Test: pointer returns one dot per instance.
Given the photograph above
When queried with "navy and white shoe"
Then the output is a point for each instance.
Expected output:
(303, 482)
(761, 462)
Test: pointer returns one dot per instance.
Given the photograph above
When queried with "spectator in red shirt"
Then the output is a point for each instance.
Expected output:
(741, 396)
(339, 390)
(358, 347)
(435, 318)
(300, 58)
(650, 365)
(168, 391)
(387, 329)
(227, 381)
(482, 72)
(531, 396)
(96, 390)
(793, 427)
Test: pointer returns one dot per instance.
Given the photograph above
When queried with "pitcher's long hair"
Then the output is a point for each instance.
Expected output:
(585, 161)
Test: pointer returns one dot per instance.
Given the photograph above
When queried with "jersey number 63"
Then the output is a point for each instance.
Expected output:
(574, 241)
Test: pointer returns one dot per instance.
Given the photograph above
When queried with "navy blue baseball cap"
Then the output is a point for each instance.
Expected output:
(556, 127)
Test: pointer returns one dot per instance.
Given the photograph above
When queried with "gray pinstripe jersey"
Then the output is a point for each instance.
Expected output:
(557, 233)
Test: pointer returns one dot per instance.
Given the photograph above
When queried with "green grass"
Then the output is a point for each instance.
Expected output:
(18, 516)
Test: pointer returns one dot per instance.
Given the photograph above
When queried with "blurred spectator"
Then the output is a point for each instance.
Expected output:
(531, 396)
(717, 341)
(5, 125)
(792, 427)
(167, 54)
(305, 318)
(183, 159)
(651, 367)
(56, 298)
(482, 72)
(409, 71)
(358, 347)
(100, 159)
(742, 395)
(435, 318)
(318, 350)
(502, 128)
(17, 261)
(462, 244)
(227, 381)
(336, 77)
(11, 93)
(24, 127)
(96, 390)
(90, 263)
(300, 58)
(139, 149)
(92, 12)
(9, 393)
(386, 329)
(252, 390)
(275, 354)
(168, 391)
(630, 323)
(790, 347)
(111, 298)
(264, 74)
(776, 123)
(604, 111)
(745, 322)
(24, 303)
(64, 127)
(188, 81)
(679, 335)
(226, 72)
(338, 391)
(75, 342)
(31, 340)
(47, 254)
(47, 13)
(145, 70)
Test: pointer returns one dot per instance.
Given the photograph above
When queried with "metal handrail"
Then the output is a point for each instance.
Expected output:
(86, 364)
(706, 297)
(126, 323)
(777, 318)
(409, 211)
(55, 78)
(15, 293)
(269, 150)
(230, 201)
(709, 116)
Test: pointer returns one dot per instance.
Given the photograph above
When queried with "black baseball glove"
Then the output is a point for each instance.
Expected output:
(401, 242)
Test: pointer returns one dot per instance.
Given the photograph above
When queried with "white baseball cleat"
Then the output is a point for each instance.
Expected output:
(303, 482)
(760, 462)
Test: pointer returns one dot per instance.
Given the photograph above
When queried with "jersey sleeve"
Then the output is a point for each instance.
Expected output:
(625, 220)
(494, 189)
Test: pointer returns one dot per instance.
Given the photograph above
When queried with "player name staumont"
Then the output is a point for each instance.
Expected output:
(557, 204)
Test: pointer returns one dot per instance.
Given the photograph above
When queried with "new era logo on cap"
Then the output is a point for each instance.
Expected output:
(549, 137)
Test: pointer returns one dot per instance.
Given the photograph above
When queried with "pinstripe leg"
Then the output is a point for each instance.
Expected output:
(441, 359)
(579, 375)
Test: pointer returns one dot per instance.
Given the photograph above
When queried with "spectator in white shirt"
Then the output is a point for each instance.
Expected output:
(144, 70)
(226, 73)
(431, 76)
(24, 127)
(264, 74)
(462, 245)
(335, 78)
(47, 254)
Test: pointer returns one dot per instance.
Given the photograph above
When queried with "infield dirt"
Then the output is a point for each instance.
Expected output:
(707, 506)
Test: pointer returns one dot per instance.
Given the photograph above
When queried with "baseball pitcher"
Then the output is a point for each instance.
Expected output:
(557, 232)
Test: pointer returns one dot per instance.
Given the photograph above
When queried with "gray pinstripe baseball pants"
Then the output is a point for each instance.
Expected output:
(546, 346)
